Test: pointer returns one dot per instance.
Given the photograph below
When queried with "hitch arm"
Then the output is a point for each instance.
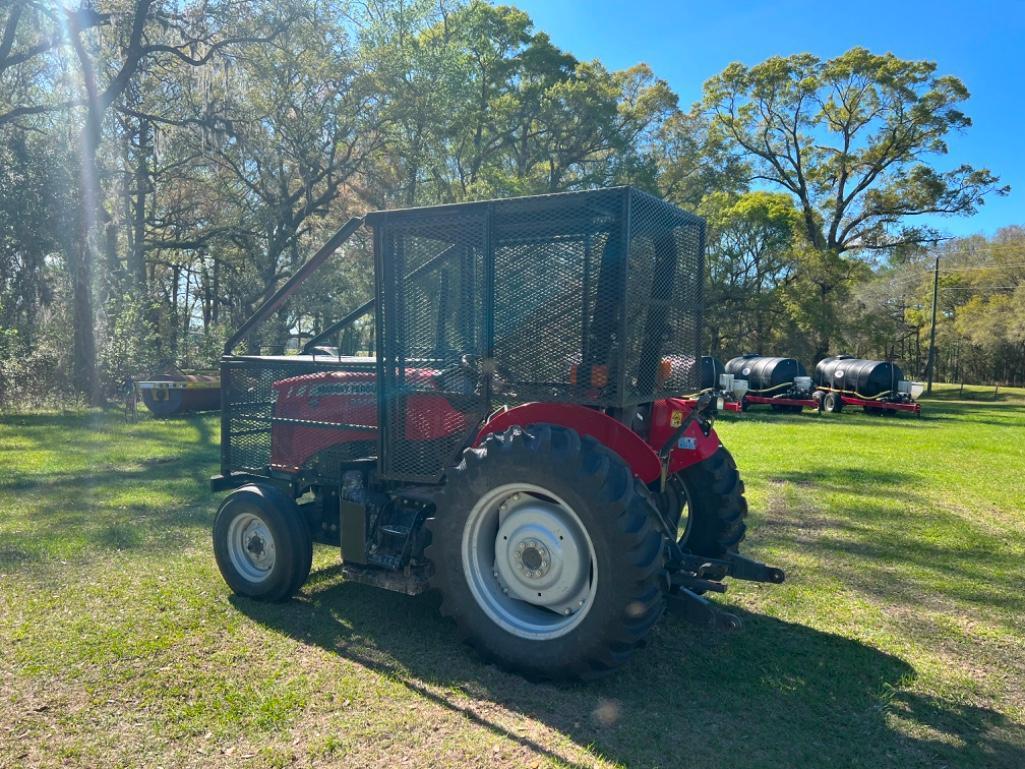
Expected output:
(730, 565)
(700, 611)
(704, 574)
(753, 571)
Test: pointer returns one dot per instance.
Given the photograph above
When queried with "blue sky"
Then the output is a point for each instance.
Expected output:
(981, 42)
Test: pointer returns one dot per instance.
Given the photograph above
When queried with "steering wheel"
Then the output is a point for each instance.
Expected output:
(466, 377)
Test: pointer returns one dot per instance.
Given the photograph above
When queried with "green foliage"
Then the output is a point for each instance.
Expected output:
(818, 299)
(35, 374)
(751, 244)
(130, 349)
(982, 307)
(208, 346)
(228, 140)
(853, 139)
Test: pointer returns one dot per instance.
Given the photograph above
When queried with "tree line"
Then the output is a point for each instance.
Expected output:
(166, 164)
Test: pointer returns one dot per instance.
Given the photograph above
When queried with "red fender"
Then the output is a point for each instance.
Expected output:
(693, 446)
(634, 450)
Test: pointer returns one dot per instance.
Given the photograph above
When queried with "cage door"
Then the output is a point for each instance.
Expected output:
(432, 335)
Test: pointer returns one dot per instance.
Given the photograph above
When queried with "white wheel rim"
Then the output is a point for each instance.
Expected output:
(529, 561)
(251, 547)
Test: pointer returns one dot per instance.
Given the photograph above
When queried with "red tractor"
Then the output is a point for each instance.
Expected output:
(516, 441)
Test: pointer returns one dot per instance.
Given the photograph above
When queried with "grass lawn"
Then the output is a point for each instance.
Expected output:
(898, 639)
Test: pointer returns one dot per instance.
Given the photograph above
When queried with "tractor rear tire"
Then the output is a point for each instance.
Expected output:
(536, 502)
(716, 506)
(262, 543)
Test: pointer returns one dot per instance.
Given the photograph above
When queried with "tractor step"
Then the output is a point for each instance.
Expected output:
(408, 581)
(700, 611)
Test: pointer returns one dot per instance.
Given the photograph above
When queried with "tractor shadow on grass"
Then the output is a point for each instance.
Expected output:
(774, 693)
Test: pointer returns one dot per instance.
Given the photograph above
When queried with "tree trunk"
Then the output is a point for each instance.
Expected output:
(83, 344)
(215, 308)
(187, 314)
(114, 271)
(81, 259)
(137, 266)
(175, 277)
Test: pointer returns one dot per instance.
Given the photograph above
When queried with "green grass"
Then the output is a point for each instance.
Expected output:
(898, 639)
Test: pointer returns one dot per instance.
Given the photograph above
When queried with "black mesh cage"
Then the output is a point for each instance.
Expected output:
(589, 297)
(261, 404)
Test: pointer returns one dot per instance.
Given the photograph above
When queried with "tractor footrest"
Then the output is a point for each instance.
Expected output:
(700, 611)
(414, 582)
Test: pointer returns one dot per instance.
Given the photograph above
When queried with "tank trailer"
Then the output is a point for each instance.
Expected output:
(875, 386)
(781, 383)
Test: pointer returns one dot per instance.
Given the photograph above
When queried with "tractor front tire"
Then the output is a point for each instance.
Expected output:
(716, 507)
(546, 553)
(262, 543)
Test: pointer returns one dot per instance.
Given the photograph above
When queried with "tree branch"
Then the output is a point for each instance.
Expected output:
(38, 109)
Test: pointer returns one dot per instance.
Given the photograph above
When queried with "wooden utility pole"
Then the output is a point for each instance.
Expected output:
(931, 365)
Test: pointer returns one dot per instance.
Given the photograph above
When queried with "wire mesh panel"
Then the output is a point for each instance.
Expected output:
(431, 326)
(663, 300)
(555, 300)
(296, 412)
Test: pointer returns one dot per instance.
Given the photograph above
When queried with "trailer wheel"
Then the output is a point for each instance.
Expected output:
(262, 543)
(832, 403)
(715, 506)
(546, 554)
